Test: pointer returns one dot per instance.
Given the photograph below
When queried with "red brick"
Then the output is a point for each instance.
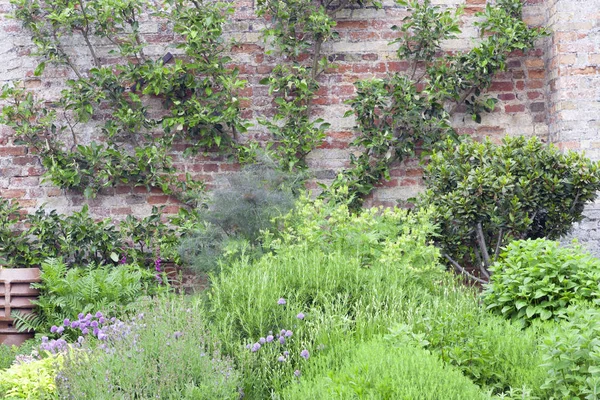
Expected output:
(501, 87)
(13, 151)
(13, 193)
(158, 199)
(514, 108)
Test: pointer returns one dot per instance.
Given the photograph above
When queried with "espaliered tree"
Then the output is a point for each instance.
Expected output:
(297, 31)
(396, 115)
(130, 144)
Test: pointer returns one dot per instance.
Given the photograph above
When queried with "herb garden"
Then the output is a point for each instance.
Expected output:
(466, 295)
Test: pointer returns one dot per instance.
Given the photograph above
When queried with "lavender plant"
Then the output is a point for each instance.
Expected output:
(166, 351)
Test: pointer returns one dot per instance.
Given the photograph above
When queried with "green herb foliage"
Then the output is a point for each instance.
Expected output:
(486, 195)
(572, 356)
(382, 370)
(33, 380)
(540, 279)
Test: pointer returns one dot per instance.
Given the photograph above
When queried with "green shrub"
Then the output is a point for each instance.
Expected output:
(486, 195)
(8, 354)
(492, 352)
(540, 279)
(31, 380)
(66, 292)
(165, 352)
(380, 370)
(572, 356)
(349, 274)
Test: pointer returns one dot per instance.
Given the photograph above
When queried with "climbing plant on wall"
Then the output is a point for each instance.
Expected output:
(130, 141)
(297, 31)
(397, 115)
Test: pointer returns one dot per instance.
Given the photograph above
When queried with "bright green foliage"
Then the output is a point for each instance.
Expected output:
(166, 352)
(394, 117)
(66, 292)
(347, 273)
(381, 370)
(540, 279)
(494, 353)
(486, 195)
(572, 356)
(129, 146)
(33, 380)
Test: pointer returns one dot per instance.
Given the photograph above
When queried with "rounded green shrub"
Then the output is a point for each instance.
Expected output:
(32, 380)
(540, 279)
(381, 370)
(486, 195)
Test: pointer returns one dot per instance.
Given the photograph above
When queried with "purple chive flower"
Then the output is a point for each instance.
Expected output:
(248, 346)
(297, 373)
(60, 330)
(80, 315)
(270, 338)
(281, 340)
(44, 339)
(94, 324)
(286, 353)
(158, 279)
(281, 359)
(300, 316)
(98, 314)
(96, 331)
(262, 340)
(80, 339)
(255, 347)
(101, 335)
(304, 354)
(282, 333)
(85, 331)
(75, 324)
(178, 334)
(66, 322)
(288, 333)
(88, 317)
(102, 321)
(281, 301)
(53, 329)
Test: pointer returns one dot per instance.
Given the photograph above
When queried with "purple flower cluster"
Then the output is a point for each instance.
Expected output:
(53, 346)
(85, 324)
(281, 337)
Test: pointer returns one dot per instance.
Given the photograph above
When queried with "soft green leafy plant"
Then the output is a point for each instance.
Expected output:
(31, 380)
(495, 354)
(541, 279)
(8, 354)
(380, 369)
(572, 356)
(395, 117)
(166, 351)
(66, 292)
(486, 195)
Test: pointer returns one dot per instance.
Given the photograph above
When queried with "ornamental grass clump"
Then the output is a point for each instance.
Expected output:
(166, 351)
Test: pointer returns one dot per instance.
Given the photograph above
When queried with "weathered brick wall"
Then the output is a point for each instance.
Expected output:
(573, 65)
(552, 92)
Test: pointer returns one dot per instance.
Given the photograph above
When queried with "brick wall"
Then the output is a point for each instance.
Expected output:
(573, 64)
(532, 100)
